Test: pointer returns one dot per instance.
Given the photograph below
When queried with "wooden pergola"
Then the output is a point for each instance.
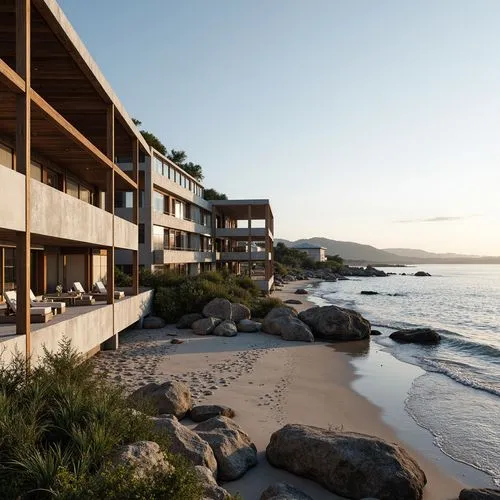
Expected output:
(54, 100)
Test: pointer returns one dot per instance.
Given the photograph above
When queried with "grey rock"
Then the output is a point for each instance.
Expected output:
(336, 323)
(272, 322)
(234, 451)
(185, 442)
(239, 312)
(416, 336)
(348, 464)
(201, 413)
(479, 494)
(218, 308)
(283, 491)
(375, 332)
(421, 273)
(293, 301)
(205, 326)
(368, 292)
(211, 490)
(295, 330)
(248, 326)
(144, 456)
(301, 291)
(151, 322)
(170, 397)
(226, 328)
(187, 320)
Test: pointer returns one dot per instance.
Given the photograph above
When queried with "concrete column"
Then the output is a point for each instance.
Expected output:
(135, 216)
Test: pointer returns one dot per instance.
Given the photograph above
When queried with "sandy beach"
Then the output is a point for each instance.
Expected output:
(268, 382)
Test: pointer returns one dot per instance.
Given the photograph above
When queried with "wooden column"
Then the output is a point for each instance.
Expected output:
(112, 342)
(23, 164)
(268, 267)
(2, 273)
(135, 214)
(250, 240)
(42, 272)
(110, 201)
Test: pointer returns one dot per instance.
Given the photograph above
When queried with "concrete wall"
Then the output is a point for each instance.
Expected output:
(126, 234)
(242, 256)
(240, 232)
(87, 331)
(182, 257)
(180, 224)
(12, 213)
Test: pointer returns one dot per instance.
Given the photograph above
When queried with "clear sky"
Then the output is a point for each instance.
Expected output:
(372, 121)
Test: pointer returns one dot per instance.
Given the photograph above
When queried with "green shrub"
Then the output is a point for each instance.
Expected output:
(58, 425)
(122, 279)
(264, 305)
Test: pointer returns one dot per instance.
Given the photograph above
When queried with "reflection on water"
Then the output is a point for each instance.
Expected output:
(355, 348)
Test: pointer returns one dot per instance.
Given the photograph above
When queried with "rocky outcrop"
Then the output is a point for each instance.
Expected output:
(205, 326)
(226, 328)
(336, 323)
(234, 451)
(143, 456)
(293, 301)
(348, 464)
(239, 312)
(211, 490)
(152, 322)
(187, 320)
(421, 273)
(218, 308)
(368, 292)
(248, 326)
(204, 412)
(283, 321)
(283, 491)
(416, 336)
(479, 494)
(301, 291)
(375, 332)
(170, 397)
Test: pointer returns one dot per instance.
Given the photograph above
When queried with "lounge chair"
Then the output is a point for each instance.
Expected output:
(57, 307)
(102, 293)
(38, 314)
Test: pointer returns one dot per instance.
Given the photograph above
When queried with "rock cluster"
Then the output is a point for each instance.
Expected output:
(479, 494)
(283, 491)
(283, 321)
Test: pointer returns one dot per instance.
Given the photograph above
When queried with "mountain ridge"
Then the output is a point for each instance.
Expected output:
(367, 254)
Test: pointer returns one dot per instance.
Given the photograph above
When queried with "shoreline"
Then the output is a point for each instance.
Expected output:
(268, 382)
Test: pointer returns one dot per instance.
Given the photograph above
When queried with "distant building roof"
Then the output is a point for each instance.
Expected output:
(307, 245)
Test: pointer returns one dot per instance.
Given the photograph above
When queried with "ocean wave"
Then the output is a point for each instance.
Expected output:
(470, 346)
(449, 369)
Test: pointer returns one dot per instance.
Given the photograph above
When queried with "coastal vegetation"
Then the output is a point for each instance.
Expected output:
(60, 426)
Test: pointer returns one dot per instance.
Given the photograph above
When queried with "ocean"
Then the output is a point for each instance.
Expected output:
(457, 398)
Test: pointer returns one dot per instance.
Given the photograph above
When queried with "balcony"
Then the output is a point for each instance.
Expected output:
(167, 220)
(179, 191)
(182, 256)
(58, 215)
(12, 200)
(242, 233)
(244, 256)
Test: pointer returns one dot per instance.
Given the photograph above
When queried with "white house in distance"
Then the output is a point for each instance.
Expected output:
(317, 253)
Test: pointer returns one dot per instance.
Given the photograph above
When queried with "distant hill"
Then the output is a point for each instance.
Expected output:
(367, 254)
(422, 254)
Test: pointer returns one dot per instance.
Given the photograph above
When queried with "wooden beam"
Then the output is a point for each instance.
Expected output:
(135, 216)
(2, 273)
(11, 79)
(76, 136)
(23, 164)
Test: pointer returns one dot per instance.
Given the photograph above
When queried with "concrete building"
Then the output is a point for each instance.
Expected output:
(316, 253)
(61, 130)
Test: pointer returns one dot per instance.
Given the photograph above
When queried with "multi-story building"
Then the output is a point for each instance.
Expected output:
(61, 129)
(316, 253)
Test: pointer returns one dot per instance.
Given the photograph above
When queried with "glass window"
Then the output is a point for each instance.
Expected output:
(166, 239)
(158, 202)
(158, 166)
(179, 209)
(86, 195)
(72, 188)
(6, 156)
(158, 237)
(36, 171)
(53, 178)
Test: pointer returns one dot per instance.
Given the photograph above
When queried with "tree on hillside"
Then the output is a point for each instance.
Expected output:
(212, 194)
(150, 138)
(292, 257)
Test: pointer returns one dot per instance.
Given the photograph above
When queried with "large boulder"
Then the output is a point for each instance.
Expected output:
(205, 326)
(272, 323)
(239, 312)
(283, 491)
(211, 490)
(295, 330)
(218, 308)
(421, 273)
(152, 322)
(348, 464)
(187, 320)
(479, 494)
(336, 323)
(185, 442)
(204, 412)
(226, 328)
(171, 397)
(301, 291)
(248, 326)
(416, 336)
(143, 456)
(234, 451)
